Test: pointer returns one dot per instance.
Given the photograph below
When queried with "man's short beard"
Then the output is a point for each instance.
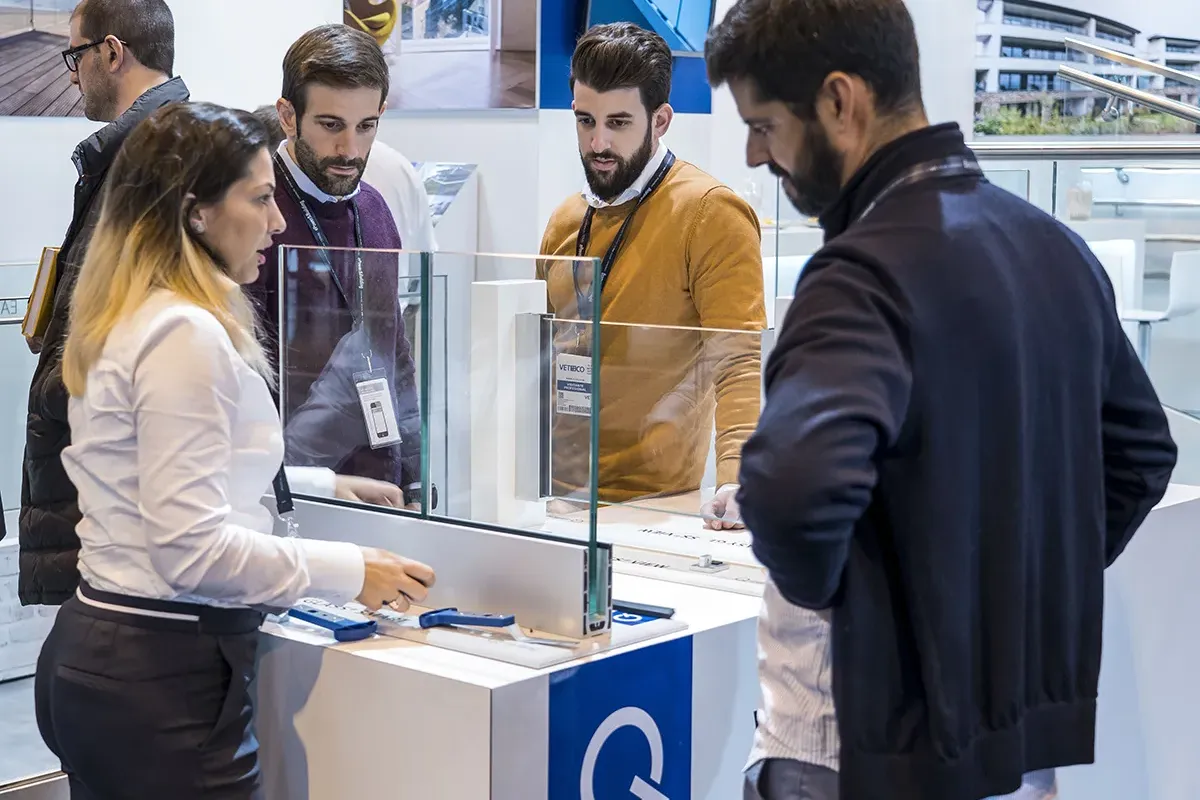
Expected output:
(315, 168)
(100, 101)
(610, 186)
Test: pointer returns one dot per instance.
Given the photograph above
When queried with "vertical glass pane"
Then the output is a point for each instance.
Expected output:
(678, 405)
(796, 238)
(1141, 217)
(1014, 180)
(17, 364)
(515, 391)
(22, 628)
(1185, 430)
(350, 392)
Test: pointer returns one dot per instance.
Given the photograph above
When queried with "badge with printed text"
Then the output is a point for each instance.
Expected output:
(375, 397)
(573, 384)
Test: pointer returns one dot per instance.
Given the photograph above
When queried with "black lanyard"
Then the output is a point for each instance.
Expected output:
(283, 493)
(319, 237)
(582, 300)
(953, 167)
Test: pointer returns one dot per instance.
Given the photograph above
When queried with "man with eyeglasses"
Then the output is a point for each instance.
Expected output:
(121, 55)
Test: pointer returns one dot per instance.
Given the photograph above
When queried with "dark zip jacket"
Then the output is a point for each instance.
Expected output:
(957, 440)
(49, 507)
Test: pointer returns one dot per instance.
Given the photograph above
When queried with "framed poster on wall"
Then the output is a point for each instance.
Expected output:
(34, 81)
(454, 54)
(683, 24)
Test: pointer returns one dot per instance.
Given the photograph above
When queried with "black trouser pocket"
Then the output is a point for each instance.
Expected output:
(144, 713)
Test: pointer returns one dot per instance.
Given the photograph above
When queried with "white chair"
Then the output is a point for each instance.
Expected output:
(1183, 291)
(1119, 259)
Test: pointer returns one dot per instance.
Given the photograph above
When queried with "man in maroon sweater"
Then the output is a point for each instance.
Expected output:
(340, 311)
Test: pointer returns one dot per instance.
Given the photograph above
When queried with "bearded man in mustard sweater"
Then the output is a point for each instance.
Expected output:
(676, 248)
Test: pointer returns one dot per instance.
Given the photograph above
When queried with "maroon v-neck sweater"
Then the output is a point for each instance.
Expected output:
(323, 348)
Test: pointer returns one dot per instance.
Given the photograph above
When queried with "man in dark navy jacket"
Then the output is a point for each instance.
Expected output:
(958, 438)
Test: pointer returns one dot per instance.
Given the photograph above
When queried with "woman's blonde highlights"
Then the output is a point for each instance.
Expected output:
(142, 243)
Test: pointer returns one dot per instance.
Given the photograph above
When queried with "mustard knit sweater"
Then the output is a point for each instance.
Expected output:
(690, 259)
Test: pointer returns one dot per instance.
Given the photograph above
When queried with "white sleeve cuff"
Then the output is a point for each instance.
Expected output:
(336, 570)
(318, 481)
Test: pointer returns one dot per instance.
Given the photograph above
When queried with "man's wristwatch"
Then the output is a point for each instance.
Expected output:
(413, 496)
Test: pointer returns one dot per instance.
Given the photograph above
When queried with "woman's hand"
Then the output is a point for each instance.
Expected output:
(392, 580)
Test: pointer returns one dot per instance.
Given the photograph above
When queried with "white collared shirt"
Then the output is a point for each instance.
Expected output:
(795, 670)
(174, 442)
(635, 189)
(390, 173)
(306, 183)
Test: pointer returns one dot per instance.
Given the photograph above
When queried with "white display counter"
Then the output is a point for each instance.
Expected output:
(671, 717)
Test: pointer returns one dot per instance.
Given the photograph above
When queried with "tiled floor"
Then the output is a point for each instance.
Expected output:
(22, 753)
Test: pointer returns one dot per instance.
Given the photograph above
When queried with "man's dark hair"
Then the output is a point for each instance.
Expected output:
(269, 117)
(787, 48)
(146, 27)
(337, 56)
(623, 56)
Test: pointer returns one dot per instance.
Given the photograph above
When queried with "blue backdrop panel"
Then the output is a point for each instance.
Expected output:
(564, 21)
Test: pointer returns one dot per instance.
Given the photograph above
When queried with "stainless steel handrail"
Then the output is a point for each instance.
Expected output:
(1180, 238)
(1116, 201)
(1089, 149)
(1183, 111)
(1132, 61)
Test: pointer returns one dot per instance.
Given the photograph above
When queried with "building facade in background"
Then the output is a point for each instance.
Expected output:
(1020, 45)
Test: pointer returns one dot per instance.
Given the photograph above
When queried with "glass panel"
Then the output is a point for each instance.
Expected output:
(475, 372)
(16, 364)
(676, 405)
(1014, 180)
(350, 393)
(1142, 219)
(789, 240)
(22, 628)
(1185, 429)
(512, 374)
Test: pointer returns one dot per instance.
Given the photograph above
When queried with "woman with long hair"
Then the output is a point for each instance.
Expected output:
(142, 686)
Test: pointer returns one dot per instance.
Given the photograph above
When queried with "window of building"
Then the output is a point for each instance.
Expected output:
(1023, 51)
(1145, 82)
(1026, 21)
(1120, 38)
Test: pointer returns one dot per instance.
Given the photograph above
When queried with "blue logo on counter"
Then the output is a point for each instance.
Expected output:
(621, 727)
(625, 618)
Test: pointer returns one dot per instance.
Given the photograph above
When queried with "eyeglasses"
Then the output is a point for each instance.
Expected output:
(72, 56)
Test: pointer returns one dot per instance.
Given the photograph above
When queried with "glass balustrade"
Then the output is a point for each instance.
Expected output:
(23, 756)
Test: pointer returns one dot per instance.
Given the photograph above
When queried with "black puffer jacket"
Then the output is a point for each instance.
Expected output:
(49, 506)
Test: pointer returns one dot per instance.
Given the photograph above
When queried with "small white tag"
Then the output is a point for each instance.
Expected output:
(376, 398)
(573, 384)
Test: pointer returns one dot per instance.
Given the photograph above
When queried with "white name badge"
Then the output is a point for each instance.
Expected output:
(573, 384)
(375, 397)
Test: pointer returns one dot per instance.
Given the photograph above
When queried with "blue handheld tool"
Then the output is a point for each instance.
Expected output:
(443, 617)
(344, 629)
